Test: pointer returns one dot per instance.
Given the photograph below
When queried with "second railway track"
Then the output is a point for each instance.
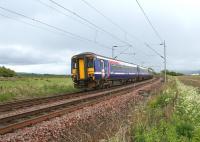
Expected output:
(16, 105)
(32, 115)
(11, 106)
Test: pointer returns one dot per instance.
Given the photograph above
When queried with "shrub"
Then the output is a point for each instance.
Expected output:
(5, 72)
(185, 129)
(161, 101)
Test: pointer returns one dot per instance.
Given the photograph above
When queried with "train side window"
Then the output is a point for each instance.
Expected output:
(111, 67)
(102, 64)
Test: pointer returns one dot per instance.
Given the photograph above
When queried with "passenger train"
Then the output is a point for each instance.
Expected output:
(90, 70)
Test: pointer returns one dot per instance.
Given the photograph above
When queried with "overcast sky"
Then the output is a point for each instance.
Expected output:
(28, 46)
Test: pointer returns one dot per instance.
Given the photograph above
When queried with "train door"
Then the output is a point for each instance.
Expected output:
(81, 69)
(102, 69)
(106, 69)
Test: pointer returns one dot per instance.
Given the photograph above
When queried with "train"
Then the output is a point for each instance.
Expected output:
(90, 70)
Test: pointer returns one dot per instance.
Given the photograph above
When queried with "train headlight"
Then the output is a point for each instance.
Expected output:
(91, 75)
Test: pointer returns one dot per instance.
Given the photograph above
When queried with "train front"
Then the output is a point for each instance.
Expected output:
(82, 70)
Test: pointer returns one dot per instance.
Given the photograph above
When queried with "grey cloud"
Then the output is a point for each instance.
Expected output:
(179, 28)
(19, 55)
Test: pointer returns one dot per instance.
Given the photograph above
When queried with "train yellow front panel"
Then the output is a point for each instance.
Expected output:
(90, 70)
(81, 69)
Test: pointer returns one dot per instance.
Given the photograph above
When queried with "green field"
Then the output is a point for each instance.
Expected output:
(30, 87)
(190, 80)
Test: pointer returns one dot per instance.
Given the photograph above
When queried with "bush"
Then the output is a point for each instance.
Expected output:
(172, 73)
(161, 100)
(185, 129)
(5, 72)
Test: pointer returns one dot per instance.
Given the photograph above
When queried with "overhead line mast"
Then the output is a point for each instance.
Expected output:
(159, 37)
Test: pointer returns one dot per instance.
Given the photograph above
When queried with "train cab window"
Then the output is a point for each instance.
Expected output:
(74, 64)
(90, 63)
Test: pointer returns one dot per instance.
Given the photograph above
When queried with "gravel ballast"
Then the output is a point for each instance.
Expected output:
(88, 124)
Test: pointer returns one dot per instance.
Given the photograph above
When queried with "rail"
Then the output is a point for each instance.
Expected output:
(11, 122)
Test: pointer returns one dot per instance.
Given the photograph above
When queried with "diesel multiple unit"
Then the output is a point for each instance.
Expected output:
(90, 70)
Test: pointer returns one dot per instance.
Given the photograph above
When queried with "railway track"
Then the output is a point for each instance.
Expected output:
(16, 105)
(12, 106)
(12, 120)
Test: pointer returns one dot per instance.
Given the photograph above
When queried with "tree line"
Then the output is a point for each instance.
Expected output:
(172, 73)
(6, 72)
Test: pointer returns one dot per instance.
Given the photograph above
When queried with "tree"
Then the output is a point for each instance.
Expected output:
(6, 72)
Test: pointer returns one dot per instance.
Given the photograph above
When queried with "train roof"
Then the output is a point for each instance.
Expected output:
(104, 57)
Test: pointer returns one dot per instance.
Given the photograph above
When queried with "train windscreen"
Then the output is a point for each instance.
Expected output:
(74, 64)
(90, 63)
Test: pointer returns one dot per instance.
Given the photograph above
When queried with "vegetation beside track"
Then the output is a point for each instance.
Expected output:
(16, 88)
(173, 115)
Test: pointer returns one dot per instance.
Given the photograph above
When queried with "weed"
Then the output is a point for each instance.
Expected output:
(7, 96)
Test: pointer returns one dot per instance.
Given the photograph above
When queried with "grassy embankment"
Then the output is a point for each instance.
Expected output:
(30, 87)
(170, 116)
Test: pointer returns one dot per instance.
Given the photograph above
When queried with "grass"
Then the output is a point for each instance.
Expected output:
(31, 87)
(172, 115)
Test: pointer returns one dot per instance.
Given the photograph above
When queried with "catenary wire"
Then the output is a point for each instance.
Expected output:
(148, 20)
(107, 18)
(93, 23)
(86, 20)
(123, 30)
(53, 27)
(32, 25)
(154, 50)
(49, 26)
(63, 13)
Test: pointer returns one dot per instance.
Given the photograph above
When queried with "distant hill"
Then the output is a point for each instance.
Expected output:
(190, 72)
